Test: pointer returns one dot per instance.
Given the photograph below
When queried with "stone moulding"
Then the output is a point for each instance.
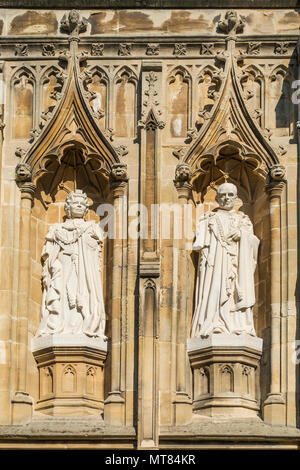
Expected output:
(71, 374)
(225, 374)
(152, 4)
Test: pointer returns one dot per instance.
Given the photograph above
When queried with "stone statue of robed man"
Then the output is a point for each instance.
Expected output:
(72, 300)
(225, 278)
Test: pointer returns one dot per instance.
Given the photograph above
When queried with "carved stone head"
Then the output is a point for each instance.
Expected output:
(76, 205)
(226, 196)
(74, 17)
(119, 172)
(183, 173)
(23, 173)
(277, 172)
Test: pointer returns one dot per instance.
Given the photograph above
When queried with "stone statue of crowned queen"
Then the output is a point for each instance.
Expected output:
(72, 300)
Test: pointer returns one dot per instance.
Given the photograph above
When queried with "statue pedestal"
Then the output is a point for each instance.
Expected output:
(71, 374)
(225, 375)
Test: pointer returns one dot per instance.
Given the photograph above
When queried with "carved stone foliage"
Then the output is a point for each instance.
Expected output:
(151, 111)
(152, 49)
(97, 49)
(281, 48)
(73, 24)
(233, 23)
(180, 49)
(124, 49)
(21, 50)
(253, 48)
(48, 50)
(207, 48)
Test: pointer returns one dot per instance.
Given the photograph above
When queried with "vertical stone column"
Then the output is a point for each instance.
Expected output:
(182, 402)
(114, 404)
(274, 405)
(21, 401)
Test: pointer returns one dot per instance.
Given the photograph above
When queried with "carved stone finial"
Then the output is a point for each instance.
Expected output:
(23, 173)
(232, 24)
(73, 25)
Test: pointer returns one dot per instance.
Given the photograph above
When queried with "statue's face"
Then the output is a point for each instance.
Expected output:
(226, 196)
(77, 208)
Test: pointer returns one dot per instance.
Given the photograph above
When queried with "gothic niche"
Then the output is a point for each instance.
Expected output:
(233, 163)
(252, 82)
(51, 86)
(281, 108)
(97, 86)
(65, 170)
(23, 89)
(125, 103)
(209, 84)
(179, 89)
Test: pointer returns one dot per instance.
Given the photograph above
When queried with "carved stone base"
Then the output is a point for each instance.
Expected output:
(71, 376)
(225, 375)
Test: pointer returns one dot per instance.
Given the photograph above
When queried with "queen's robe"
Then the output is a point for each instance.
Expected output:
(72, 301)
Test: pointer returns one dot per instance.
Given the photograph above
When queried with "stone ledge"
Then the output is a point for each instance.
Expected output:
(148, 4)
(64, 340)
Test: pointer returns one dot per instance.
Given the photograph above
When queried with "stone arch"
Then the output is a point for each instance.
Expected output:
(23, 92)
(207, 92)
(50, 86)
(179, 98)
(97, 85)
(281, 108)
(253, 86)
(125, 102)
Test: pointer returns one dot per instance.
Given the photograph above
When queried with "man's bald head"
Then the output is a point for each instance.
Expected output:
(226, 196)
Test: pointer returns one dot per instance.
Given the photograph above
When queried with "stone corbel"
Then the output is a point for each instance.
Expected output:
(118, 179)
(276, 180)
(182, 181)
(24, 181)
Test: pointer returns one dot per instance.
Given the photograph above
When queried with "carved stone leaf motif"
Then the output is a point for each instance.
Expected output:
(21, 49)
(253, 48)
(233, 23)
(48, 50)
(122, 150)
(151, 102)
(281, 48)
(180, 49)
(152, 49)
(179, 153)
(97, 49)
(124, 49)
(207, 48)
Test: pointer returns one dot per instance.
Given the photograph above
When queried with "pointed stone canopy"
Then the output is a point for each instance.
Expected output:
(72, 125)
(231, 125)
